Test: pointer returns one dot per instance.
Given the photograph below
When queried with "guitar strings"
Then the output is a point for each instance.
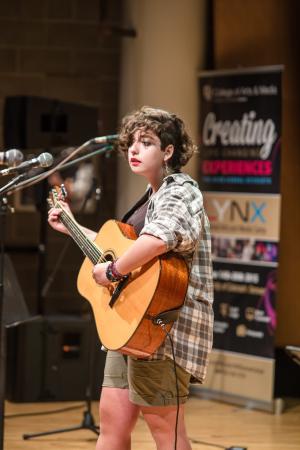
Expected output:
(88, 247)
(93, 252)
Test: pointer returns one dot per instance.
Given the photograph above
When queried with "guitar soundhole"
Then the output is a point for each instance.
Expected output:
(110, 256)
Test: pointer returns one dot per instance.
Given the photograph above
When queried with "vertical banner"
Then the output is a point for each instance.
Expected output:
(240, 132)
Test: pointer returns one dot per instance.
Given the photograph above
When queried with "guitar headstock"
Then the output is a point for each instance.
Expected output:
(55, 195)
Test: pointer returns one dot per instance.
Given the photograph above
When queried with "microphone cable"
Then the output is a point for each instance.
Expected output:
(194, 441)
(163, 326)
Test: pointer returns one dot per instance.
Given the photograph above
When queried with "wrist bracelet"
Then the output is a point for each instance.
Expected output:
(115, 271)
(112, 273)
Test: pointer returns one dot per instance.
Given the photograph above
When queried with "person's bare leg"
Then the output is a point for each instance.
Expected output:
(161, 421)
(118, 417)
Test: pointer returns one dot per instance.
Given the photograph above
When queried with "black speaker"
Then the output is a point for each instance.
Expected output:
(14, 307)
(68, 346)
(287, 375)
(48, 359)
(37, 122)
(24, 358)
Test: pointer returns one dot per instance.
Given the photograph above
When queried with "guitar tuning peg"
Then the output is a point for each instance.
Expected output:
(63, 191)
(50, 201)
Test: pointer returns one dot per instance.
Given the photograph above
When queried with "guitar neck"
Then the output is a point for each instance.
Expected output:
(87, 246)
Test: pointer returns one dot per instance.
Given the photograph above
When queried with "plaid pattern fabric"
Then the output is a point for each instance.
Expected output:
(176, 215)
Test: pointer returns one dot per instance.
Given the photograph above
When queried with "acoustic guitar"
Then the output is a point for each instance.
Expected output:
(126, 313)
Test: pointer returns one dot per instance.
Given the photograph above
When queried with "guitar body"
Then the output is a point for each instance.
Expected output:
(158, 286)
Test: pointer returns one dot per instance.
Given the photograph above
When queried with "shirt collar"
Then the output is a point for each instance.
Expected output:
(179, 178)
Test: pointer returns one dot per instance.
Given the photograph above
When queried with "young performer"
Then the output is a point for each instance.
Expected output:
(169, 218)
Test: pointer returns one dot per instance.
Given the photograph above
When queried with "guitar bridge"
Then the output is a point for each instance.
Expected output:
(118, 289)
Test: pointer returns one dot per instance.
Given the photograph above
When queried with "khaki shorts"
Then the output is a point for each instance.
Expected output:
(150, 382)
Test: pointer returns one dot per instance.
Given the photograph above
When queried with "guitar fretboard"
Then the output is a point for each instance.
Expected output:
(87, 246)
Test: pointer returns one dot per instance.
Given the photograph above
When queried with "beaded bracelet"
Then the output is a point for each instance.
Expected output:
(112, 274)
(115, 271)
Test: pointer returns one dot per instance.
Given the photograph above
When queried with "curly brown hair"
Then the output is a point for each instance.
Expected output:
(167, 126)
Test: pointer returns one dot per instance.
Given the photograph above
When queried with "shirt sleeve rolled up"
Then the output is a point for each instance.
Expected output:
(175, 217)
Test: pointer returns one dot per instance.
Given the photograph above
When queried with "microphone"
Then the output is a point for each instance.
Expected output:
(43, 160)
(11, 158)
(109, 139)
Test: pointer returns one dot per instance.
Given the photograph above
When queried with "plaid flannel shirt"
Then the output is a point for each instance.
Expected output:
(176, 215)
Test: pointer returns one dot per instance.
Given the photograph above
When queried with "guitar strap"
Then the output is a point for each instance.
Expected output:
(164, 317)
(136, 206)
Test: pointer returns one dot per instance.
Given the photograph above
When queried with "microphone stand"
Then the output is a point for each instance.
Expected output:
(3, 213)
(65, 164)
(88, 419)
(88, 422)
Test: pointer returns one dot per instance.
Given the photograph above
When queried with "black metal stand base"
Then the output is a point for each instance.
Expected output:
(88, 423)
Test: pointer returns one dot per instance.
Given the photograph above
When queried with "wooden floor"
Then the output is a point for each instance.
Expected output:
(207, 421)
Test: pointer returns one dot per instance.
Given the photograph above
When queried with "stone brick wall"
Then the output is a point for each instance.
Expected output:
(55, 49)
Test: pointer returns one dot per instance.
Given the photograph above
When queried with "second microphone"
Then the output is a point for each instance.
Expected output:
(43, 160)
